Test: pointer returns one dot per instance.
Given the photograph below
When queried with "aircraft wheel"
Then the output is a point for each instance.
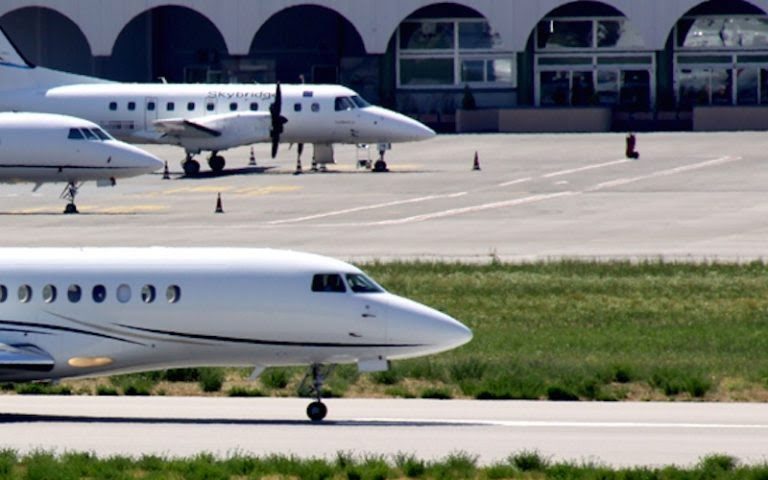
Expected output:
(191, 167)
(380, 166)
(316, 411)
(216, 163)
(70, 208)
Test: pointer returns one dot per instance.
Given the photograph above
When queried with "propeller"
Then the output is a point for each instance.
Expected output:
(278, 121)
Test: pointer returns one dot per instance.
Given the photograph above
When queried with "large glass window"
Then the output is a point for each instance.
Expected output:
(427, 35)
(426, 71)
(452, 53)
(747, 86)
(592, 61)
(564, 34)
(707, 32)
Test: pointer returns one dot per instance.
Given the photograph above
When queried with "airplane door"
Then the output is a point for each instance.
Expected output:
(151, 107)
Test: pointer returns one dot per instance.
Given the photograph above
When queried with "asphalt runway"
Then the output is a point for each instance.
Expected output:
(618, 434)
(689, 196)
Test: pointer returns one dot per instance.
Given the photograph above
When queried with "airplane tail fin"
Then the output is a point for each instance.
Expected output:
(17, 72)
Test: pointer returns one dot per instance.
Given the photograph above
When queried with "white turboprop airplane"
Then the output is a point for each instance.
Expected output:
(215, 117)
(48, 148)
(68, 312)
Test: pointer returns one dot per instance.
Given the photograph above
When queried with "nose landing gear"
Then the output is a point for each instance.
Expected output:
(316, 411)
(69, 193)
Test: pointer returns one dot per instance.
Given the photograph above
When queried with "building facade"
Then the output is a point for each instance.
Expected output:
(657, 60)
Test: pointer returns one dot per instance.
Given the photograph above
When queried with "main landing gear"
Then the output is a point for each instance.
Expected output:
(69, 193)
(192, 167)
(316, 411)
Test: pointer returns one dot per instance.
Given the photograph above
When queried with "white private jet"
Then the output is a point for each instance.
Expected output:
(215, 117)
(48, 148)
(69, 312)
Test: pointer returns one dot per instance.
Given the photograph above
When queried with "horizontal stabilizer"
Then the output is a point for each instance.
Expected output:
(25, 357)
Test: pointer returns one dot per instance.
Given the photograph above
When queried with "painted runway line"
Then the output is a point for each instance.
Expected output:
(544, 197)
(585, 168)
(367, 207)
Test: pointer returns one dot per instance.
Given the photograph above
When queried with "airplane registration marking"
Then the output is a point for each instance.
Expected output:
(367, 207)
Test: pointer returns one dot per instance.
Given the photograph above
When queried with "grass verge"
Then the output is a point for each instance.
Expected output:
(523, 465)
(566, 330)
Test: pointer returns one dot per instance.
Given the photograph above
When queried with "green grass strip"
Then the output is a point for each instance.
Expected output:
(42, 465)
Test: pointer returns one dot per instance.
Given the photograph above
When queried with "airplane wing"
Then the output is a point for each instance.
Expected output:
(25, 357)
(211, 126)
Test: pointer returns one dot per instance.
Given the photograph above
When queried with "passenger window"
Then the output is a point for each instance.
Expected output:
(233, 106)
(148, 294)
(328, 282)
(254, 106)
(131, 106)
(170, 106)
(209, 107)
(75, 134)
(3, 293)
(88, 134)
(74, 293)
(173, 293)
(124, 293)
(315, 107)
(49, 294)
(99, 293)
(25, 293)
(296, 107)
(190, 106)
(151, 106)
(113, 106)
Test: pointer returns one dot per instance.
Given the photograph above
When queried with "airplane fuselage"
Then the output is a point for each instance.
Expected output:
(97, 311)
(319, 114)
(41, 148)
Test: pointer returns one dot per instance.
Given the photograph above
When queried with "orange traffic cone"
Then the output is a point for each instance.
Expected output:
(476, 165)
(252, 161)
(219, 208)
(166, 174)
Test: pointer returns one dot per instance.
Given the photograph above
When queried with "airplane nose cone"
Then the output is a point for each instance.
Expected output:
(144, 160)
(400, 128)
(427, 329)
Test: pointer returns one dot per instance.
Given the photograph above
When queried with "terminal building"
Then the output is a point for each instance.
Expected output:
(466, 65)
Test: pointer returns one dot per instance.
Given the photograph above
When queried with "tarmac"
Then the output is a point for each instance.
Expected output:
(690, 196)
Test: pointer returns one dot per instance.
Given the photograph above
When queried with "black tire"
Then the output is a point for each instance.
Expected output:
(70, 208)
(380, 166)
(316, 411)
(216, 163)
(191, 167)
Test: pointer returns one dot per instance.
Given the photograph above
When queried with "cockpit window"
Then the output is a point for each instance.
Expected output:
(75, 134)
(101, 134)
(328, 282)
(344, 103)
(359, 283)
(360, 101)
(89, 134)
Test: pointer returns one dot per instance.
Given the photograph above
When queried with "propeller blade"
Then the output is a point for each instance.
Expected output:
(277, 120)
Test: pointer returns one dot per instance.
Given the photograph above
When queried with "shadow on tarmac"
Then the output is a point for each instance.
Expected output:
(8, 418)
